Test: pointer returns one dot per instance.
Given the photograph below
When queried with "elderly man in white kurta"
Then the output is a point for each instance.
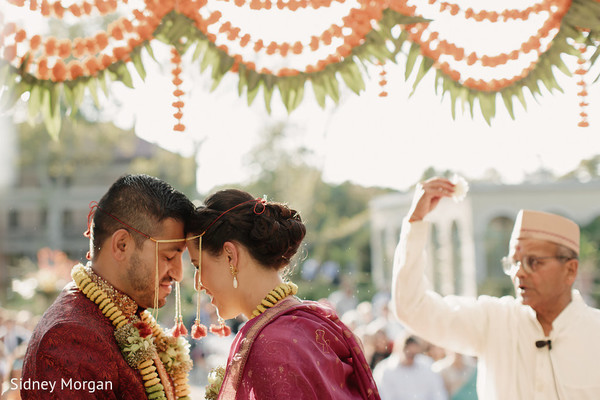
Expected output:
(542, 345)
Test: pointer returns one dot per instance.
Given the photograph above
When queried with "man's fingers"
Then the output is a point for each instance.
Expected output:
(439, 187)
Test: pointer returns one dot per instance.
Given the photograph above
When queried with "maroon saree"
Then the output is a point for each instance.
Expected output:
(297, 350)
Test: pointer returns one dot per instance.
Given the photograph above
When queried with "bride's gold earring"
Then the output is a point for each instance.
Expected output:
(234, 272)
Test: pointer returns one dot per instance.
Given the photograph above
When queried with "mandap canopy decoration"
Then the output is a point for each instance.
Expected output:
(57, 72)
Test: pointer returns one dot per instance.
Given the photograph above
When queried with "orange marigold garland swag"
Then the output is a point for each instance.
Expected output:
(435, 47)
(61, 60)
(37, 62)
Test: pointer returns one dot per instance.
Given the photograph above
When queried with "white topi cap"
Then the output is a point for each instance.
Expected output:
(545, 226)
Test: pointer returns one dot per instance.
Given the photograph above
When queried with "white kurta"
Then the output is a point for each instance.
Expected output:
(501, 332)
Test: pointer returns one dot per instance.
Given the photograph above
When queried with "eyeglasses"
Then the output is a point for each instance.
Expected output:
(529, 263)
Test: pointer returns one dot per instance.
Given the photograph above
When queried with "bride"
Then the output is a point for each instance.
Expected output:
(289, 348)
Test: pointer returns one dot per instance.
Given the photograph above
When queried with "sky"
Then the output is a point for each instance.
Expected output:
(365, 139)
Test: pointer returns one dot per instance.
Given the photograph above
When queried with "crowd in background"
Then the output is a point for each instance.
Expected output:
(15, 330)
(404, 366)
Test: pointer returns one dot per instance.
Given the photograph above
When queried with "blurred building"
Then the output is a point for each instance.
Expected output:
(45, 204)
(469, 238)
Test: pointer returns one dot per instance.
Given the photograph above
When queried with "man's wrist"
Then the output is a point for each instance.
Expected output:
(414, 218)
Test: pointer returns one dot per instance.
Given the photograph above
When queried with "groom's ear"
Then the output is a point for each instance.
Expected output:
(121, 243)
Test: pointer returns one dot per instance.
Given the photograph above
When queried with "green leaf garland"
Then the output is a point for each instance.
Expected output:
(581, 24)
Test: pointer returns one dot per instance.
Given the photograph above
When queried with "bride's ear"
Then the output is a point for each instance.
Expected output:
(231, 251)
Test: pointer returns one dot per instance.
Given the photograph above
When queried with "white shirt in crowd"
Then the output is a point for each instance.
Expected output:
(415, 382)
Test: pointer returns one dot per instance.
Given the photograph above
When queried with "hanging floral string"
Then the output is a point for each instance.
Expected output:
(581, 71)
(382, 80)
(179, 328)
(178, 93)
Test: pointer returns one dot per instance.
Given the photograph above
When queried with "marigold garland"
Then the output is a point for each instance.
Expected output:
(581, 71)
(494, 16)
(280, 292)
(87, 52)
(178, 93)
(142, 342)
(382, 80)
(359, 21)
(291, 5)
(533, 43)
(37, 58)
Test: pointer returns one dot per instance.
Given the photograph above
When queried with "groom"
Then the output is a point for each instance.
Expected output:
(82, 347)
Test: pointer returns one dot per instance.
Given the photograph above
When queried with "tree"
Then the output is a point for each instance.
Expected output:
(590, 258)
(336, 215)
(586, 170)
(88, 153)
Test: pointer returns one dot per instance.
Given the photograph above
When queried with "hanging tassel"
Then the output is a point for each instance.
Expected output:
(221, 329)
(382, 79)
(198, 330)
(581, 71)
(182, 329)
(179, 329)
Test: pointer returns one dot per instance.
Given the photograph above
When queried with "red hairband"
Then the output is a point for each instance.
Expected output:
(94, 206)
(179, 329)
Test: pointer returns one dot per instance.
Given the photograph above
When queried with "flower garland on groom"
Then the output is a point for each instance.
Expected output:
(98, 329)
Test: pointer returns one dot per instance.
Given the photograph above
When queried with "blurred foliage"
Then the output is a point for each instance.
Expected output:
(336, 215)
(90, 153)
(589, 264)
(587, 169)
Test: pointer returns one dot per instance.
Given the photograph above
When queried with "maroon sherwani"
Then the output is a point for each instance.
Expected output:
(74, 348)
